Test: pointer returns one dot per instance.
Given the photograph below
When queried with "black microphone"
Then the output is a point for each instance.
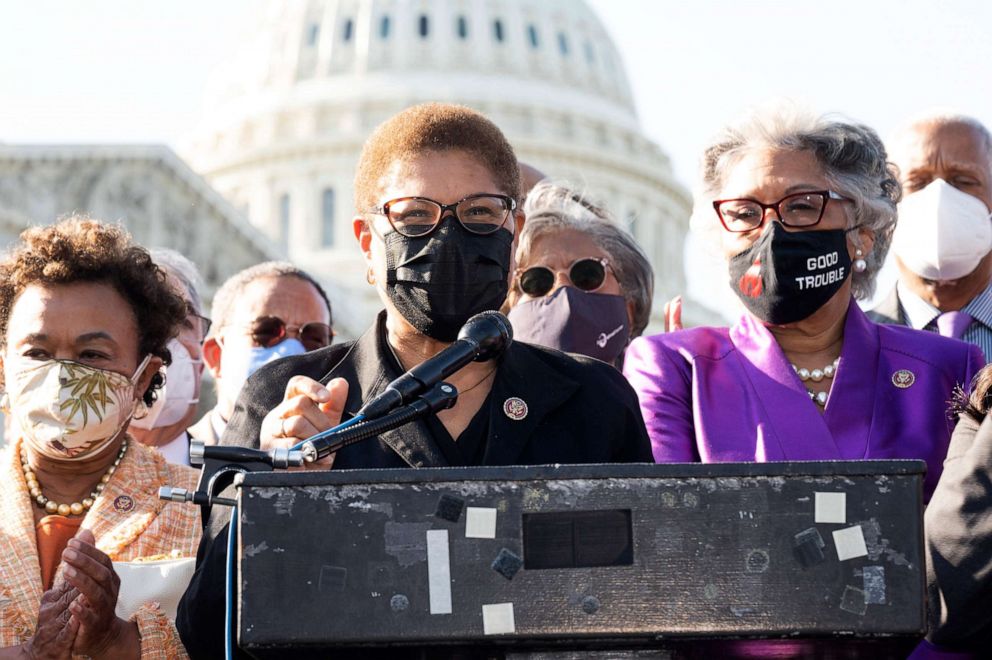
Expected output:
(483, 337)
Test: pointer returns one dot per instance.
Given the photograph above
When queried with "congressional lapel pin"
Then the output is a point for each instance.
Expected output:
(123, 503)
(903, 378)
(515, 408)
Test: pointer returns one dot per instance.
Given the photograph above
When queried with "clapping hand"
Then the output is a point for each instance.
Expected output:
(57, 629)
(101, 633)
(673, 314)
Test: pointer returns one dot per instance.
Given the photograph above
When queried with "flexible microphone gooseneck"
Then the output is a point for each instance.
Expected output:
(483, 337)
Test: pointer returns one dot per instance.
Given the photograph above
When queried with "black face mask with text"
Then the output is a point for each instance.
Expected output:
(439, 281)
(787, 275)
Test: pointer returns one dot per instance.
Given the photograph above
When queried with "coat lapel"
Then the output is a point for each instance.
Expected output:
(508, 432)
(366, 366)
(132, 490)
(852, 396)
(796, 426)
(889, 310)
(20, 572)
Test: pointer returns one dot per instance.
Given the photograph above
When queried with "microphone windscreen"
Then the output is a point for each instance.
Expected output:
(491, 330)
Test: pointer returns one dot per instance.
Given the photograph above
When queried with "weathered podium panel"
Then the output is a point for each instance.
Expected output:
(581, 556)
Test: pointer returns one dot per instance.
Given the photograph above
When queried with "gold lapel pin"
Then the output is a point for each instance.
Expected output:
(123, 503)
(515, 408)
(903, 378)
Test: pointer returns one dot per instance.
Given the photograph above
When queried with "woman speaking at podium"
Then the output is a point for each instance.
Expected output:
(803, 211)
(437, 195)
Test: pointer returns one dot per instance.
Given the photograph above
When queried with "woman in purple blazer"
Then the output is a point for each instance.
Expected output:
(803, 210)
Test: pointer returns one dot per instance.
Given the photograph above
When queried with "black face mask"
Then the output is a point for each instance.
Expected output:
(438, 282)
(787, 275)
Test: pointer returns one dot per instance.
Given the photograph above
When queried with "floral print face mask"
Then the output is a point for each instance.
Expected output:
(68, 411)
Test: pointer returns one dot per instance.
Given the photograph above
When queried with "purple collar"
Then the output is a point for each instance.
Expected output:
(802, 432)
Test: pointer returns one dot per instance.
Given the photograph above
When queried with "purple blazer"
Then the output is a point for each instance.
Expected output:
(729, 394)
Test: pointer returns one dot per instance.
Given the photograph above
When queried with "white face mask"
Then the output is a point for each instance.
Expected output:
(237, 366)
(181, 390)
(942, 233)
(67, 410)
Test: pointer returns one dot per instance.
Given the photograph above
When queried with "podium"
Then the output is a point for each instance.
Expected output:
(678, 560)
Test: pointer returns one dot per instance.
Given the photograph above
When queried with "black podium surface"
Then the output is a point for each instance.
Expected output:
(557, 559)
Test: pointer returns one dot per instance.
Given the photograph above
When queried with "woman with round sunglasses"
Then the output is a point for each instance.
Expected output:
(803, 210)
(436, 195)
(582, 284)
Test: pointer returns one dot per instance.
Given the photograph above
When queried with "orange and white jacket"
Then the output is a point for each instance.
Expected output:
(129, 523)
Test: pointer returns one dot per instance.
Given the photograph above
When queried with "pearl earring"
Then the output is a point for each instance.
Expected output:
(859, 265)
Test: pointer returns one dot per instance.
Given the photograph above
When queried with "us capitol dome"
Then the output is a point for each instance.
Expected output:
(286, 117)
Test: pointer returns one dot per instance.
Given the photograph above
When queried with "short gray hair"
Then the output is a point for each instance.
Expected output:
(178, 266)
(941, 118)
(853, 159)
(556, 206)
(229, 293)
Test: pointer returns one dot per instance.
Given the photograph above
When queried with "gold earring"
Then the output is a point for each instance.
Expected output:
(370, 276)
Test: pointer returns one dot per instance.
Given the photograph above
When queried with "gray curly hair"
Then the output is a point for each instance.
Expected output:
(179, 266)
(853, 159)
(555, 206)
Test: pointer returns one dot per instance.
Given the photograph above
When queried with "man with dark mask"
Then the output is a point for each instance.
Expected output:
(437, 192)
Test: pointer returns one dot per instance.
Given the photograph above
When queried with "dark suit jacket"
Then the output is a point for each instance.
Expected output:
(958, 525)
(580, 410)
(889, 310)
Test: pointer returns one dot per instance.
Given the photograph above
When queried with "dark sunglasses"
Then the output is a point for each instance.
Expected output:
(587, 274)
(268, 331)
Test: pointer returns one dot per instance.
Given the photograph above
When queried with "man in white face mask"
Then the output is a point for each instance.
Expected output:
(943, 240)
(164, 424)
(263, 313)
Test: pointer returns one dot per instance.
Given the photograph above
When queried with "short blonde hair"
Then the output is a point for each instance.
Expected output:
(434, 127)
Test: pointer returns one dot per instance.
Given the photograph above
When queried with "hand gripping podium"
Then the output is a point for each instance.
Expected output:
(577, 561)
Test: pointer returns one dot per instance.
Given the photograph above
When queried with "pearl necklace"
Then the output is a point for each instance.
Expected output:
(817, 375)
(75, 508)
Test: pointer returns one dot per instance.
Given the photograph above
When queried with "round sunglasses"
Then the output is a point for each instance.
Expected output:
(587, 274)
(268, 331)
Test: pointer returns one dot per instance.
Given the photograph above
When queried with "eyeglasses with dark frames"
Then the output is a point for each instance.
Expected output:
(587, 274)
(804, 209)
(418, 216)
(201, 324)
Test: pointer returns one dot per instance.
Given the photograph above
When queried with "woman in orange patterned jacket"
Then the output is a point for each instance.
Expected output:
(85, 317)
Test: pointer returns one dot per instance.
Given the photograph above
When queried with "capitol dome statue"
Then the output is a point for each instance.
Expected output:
(286, 117)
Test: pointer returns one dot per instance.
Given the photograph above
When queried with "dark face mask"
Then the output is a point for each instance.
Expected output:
(574, 321)
(787, 275)
(438, 282)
